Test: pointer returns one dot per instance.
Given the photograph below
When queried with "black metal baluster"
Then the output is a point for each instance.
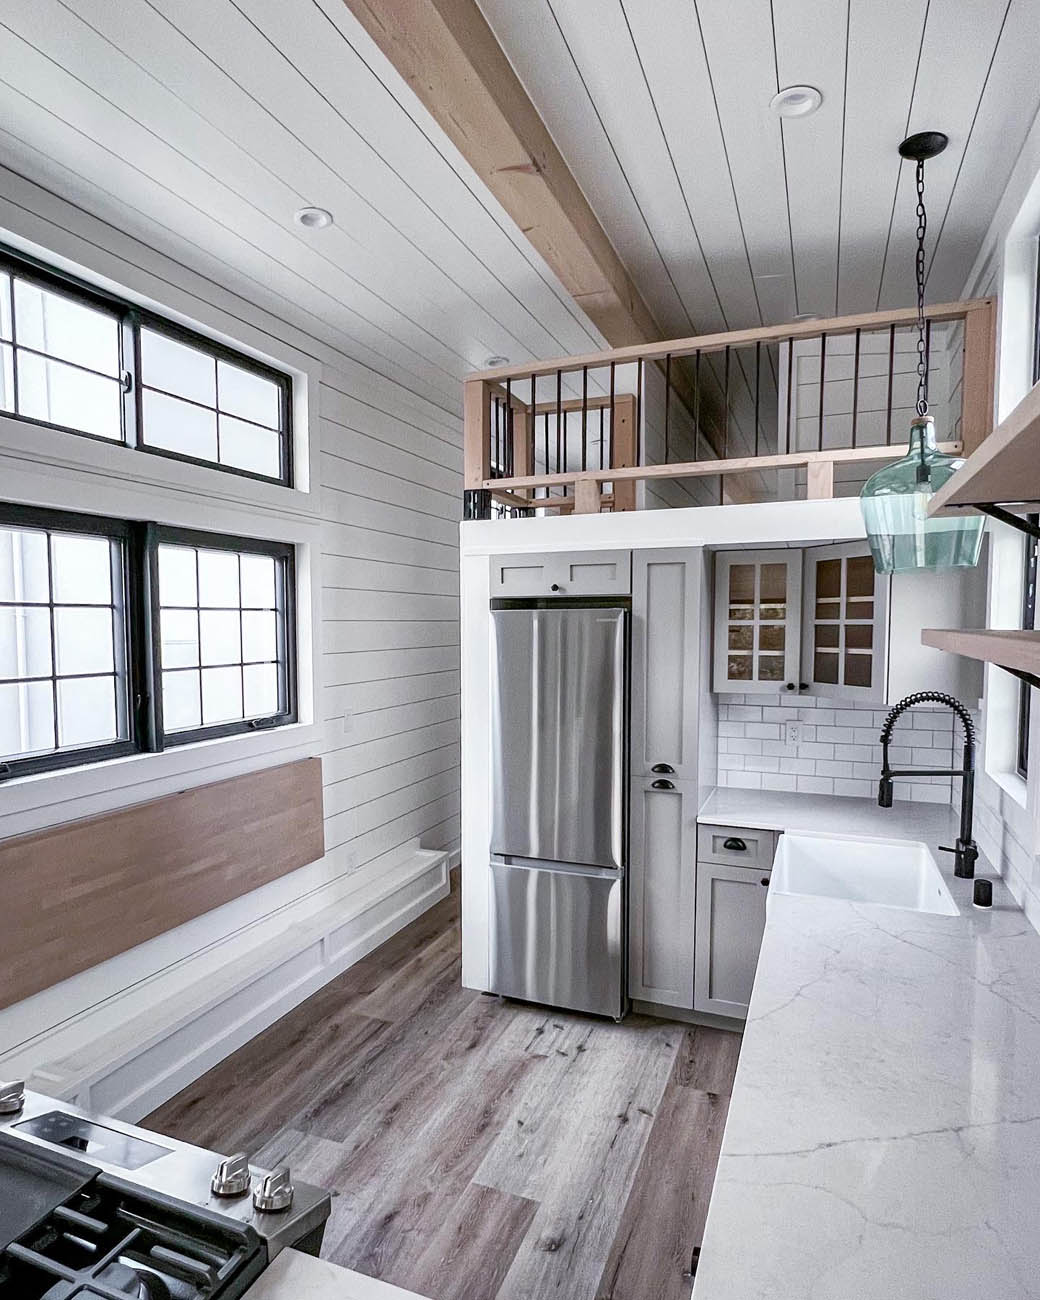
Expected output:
(758, 383)
(584, 416)
(855, 388)
(823, 380)
(891, 372)
(667, 404)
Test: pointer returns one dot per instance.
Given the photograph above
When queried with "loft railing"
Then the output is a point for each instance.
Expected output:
(775, 413)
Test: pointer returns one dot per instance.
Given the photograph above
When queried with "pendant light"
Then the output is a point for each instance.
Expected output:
(895, 500)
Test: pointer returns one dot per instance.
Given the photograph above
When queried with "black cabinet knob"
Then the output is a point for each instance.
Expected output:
(555, 587)
(764, 881)
(789, 686)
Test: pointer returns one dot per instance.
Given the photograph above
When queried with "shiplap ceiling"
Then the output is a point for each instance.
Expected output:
(200, 126)
(726, 217)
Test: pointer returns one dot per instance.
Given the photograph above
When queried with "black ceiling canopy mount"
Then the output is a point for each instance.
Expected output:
(924, 145)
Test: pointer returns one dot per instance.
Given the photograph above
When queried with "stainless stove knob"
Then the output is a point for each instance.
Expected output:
(232, 1176)
(12, 1097)
(274, 1191)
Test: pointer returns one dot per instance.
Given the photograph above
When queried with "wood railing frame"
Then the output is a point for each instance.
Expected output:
(586, 496)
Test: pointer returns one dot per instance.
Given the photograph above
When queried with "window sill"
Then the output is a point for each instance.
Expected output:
(119, 782)
(1012, 784)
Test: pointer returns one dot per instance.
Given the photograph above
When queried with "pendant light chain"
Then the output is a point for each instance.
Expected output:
(922, 357)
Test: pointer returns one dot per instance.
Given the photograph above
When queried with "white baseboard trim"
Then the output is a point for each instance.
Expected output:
(142, 1062)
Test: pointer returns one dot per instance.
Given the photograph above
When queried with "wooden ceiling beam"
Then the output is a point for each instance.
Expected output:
(447, 53)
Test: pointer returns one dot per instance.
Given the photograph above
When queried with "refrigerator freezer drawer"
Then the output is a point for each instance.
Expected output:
(556, 936)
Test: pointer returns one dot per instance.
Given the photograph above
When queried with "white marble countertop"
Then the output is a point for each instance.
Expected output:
(884, 1134)
(781, 810)
(294, 1276)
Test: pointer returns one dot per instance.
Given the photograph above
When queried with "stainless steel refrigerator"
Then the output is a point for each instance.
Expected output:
(558, 719)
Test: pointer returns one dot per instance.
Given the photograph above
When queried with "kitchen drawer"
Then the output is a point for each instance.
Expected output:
(564, 573)
(759, 846)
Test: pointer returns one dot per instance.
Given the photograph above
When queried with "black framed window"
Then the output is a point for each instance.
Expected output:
(119, 637)
(66, 679)
(223, 656)
(79, 360)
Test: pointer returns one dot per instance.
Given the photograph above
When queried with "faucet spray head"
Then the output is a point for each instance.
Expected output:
(884, 792)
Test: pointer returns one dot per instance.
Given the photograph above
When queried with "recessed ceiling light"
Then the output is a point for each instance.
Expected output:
(313, 218)
(796, 101)
(490, 363)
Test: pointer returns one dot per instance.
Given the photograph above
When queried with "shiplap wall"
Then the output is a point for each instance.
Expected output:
(386, 716)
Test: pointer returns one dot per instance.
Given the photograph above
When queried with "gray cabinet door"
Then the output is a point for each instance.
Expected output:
(662, 874)
(669, 637)
(731, 915)
(562, 573)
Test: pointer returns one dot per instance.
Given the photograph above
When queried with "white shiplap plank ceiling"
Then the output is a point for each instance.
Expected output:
(201, 125)
(726, 217)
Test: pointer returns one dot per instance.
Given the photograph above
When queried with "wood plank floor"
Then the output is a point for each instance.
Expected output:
(479, 1149)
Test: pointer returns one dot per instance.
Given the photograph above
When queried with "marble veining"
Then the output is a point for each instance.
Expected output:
(884, 1134)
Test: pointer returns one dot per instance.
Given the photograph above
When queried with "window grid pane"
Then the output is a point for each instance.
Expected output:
(63, 670)
(233, 666)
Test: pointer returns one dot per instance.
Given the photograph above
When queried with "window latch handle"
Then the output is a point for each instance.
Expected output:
(127, 382)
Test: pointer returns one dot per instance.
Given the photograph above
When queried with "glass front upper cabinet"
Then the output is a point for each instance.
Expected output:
(758, 609)
(801, 621)
(844, 641)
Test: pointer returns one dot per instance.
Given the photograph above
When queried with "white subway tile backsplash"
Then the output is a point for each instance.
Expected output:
(839, 750)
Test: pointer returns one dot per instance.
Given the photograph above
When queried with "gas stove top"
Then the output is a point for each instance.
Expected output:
(103, 1241)
(95, 1209)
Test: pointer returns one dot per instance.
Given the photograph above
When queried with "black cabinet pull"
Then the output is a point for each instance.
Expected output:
(764, 881)
(734, 844)
(803, 686)
(555, 587)
(661, 785)
(666, 768)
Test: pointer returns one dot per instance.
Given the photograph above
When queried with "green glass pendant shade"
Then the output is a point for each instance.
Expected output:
(895, 500)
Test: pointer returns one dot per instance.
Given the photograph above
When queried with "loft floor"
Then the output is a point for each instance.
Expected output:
(479, 1149)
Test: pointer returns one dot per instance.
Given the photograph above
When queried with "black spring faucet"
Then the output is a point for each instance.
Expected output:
(966, 850)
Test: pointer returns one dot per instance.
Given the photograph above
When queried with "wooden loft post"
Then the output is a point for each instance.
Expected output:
(476, 435)
(980, 363)
(819, 480)
(624, 447)
(587, 496)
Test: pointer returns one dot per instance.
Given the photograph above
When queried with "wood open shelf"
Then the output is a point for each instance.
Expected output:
(1003, 470)
(1007, 648)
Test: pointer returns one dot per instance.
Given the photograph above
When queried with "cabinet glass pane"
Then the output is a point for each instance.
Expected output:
(778, 612)
(773, 584)
(742, 584)
(859, 609)
(828, 579)
(859, 576)
(742, 637)
(828, 609)
(825, 668)
(858, 669)
(827, 635)
(738, 667)
(771, 637)
(858, 636)
(771, 668)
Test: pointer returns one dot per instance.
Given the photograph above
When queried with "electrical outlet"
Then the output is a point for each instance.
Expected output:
(792, 733)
